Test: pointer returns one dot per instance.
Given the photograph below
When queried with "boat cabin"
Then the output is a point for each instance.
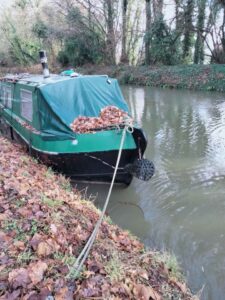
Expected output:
(39, 111)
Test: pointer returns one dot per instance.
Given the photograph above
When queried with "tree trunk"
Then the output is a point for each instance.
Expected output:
(188, 29)
(223, 28)
(147, 31)
(177, 16)
(157, 9)
(124, 56)
(199, 44)
(110, 40)
(89, 14)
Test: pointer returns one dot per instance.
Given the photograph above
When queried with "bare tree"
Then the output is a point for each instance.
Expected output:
(147, 31)
(124, 56)
(110, 39)
(188, 29)
(157, 8)
(213, 33)
(134, 32)
(199, 44)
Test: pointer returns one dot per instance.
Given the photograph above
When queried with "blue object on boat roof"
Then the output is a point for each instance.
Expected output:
(67, 72)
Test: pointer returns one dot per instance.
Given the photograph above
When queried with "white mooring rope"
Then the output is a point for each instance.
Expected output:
(75, 269)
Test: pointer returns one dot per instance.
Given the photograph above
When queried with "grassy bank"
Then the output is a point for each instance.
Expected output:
(193, 77)
(45, 224)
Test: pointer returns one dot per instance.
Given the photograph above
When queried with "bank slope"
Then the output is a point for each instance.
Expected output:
(45, 224)
(193, 77)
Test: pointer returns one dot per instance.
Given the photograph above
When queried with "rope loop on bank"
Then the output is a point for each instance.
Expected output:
(76, 268)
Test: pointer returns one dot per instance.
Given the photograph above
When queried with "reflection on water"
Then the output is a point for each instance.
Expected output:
(123, 207)
(182, 208)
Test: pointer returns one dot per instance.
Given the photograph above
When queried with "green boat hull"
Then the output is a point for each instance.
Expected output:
(38, 113)
(96, 166)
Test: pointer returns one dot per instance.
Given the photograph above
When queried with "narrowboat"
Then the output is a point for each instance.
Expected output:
(37, 110)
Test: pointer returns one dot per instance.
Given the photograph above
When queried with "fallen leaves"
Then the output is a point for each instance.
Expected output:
(47, 247)
(143, 292)
(109, 116)
(64, 294)
(44, 249)
(180, 285)
(36, 271)
(36, 240)
(53, 229)
(13, 296)
(19, 245)
(24, 212)
(22, 277)
(44, 225)
(19, 278)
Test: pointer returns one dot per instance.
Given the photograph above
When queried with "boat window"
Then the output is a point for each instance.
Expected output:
(1, 93)
(6, 95)
(26, 104)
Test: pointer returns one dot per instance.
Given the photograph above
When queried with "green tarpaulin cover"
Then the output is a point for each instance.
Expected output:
(67, 99)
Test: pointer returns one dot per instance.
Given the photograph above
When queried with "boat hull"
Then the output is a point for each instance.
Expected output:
(87, 166)
(94, 166)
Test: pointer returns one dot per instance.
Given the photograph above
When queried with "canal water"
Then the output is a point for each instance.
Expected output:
(182, 208)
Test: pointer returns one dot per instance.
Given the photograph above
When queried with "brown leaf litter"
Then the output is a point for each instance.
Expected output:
(44, 225)
(108, 117)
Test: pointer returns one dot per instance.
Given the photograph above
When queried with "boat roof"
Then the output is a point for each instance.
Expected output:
(62, 99)
(39, 79)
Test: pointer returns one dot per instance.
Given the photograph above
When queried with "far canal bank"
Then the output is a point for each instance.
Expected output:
(192, 77)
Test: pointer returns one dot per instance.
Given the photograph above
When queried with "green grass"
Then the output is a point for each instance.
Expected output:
(49, 173)
(108, 220)
(114, 268)
(68, 260)
(35, 160)
(50, 202)
(20, 202)
(21, 235)
(10, 225)
(25, 257)
(25, 159)
(14, 225)
(66, 185)
(170, 262)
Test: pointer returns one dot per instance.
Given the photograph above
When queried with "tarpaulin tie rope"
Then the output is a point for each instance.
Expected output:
(75, 269)
(129, 129)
